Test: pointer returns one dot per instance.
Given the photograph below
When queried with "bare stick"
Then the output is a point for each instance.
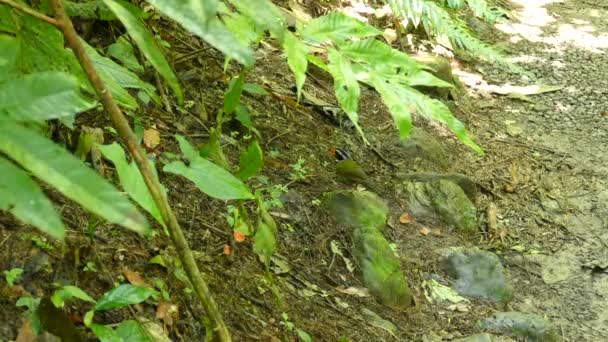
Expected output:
(30, 11)
(128, 137)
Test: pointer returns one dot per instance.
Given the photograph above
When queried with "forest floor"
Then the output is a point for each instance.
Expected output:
(545, 171)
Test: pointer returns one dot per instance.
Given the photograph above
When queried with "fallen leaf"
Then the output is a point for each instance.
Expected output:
(238, 236)
(227, 250)
(424, 231)
(436, 232)
(404, 218)
(151, 138)
(166, 312)
(389, 35)
(25, 333)
(355, 291)
(134, 278)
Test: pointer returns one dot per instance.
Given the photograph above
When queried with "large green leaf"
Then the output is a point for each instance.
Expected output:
(199, 17)
(131, 179)
(42, 96)
(68, 292)
(69, 176)
(346, 87)
(23, 198)
(147, 44)
(400, 110)
(296, 59)
(133, 330)
(122, 296)
(374, 52)
(232, 97)
(118, 78)
(251, 161)
(9, 50)
(123, 51)
(210, 178)
(337, 27)
(244, 29)
(264, 13)
(105, 333)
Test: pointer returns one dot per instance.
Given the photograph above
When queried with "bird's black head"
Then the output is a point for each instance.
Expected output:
(341, 155)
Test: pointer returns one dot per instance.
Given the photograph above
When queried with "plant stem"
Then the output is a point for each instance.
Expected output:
(129, 139)
(31, 12)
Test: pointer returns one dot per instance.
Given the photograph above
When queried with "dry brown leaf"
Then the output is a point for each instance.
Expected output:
(436, 232)
(151, 138)
(405, 218)
(491, 213)
(227, 250)
(134, 278)
(424, 231)
(25, 333)
(166, 312)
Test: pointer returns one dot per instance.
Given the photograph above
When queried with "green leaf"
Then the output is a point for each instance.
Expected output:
(296, 59)
(251, 161)
(119, 78)
(69, 176)
(346, 86)
(42, 96)
(123, 51)
(13, 275)
(232, 98)
(254, 88)
(147, 44)
(243, 28)
(23, 198)
(199, 17)
(131, 179)
(264, 13)
(423, 78)
(265, 238)
(337, 27)
(374, 52)
(264, 242)
(400, 110)
(122, 296)
(68, 292)
(132, 330)
(9, 50)
(210, 178)
(187, 150)
(105, 333)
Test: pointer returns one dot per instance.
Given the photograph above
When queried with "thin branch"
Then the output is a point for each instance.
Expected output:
(31, 12)
(124, 130)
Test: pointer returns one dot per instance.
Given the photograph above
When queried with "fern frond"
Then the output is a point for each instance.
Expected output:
(439, 21)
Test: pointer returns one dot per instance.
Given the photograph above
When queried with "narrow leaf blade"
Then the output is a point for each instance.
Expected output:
(69, 176)
(147, 44)
(23, 198)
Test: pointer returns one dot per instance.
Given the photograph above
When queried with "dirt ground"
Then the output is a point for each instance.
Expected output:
(545, 171)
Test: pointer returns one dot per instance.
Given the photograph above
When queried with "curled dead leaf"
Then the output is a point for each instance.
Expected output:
(405, 218)
(151, 138)
(134, 278)
(424, 231)
(238, 236)
(227, 250)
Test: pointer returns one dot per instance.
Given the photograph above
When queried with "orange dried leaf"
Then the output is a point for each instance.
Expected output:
(405, 218)
(424, 231)
(227, 250)
(25, 333)
(134, 278)
(238, 236)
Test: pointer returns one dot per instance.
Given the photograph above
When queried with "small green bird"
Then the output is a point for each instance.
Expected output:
(349, 171)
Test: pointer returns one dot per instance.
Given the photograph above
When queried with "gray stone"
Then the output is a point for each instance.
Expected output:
(477, 273)
(530, 327)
